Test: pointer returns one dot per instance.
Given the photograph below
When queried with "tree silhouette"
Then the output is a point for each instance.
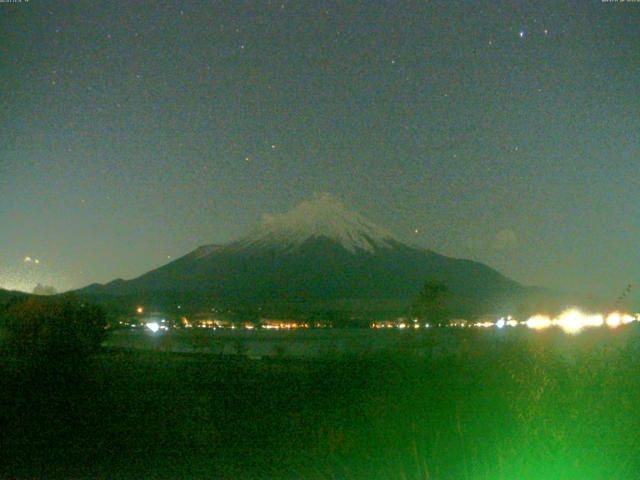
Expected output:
(44, 290)
(431, 303)
(45, 329)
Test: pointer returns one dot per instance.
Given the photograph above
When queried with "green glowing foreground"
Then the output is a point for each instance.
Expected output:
(494, 404)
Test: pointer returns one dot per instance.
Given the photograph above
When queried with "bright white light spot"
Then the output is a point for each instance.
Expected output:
(570, 321)
(500, 323)
(614, 320)
(153, 326)
(596, 320)
(28, 259)
(539, 322)
(521, 33)
(626, 318)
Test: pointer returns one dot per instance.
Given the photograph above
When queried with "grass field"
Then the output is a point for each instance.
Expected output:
(525, 405)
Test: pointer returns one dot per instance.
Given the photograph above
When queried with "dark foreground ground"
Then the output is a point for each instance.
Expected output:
(520, 406)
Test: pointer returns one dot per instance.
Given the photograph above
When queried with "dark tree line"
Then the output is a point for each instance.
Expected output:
(49, 329)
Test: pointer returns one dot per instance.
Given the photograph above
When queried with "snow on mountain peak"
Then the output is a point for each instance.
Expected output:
(322, 216)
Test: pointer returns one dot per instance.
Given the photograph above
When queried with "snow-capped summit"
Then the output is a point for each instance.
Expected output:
(323, 216)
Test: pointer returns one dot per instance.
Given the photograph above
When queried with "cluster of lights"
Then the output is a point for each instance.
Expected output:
(214, 325)
(574, 321)
(571, 321)
(155, 326)
(284, 325)
(402, 326)
(402, 323)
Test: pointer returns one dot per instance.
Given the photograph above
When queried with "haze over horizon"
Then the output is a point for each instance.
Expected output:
(502, 132)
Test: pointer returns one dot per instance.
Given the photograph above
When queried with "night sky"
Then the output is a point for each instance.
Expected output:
(503, 131)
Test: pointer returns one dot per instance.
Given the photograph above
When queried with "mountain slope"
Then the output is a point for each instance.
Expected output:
(318, 254)
(8, 295)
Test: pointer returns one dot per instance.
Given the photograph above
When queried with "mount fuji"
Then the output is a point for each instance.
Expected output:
(320, 256)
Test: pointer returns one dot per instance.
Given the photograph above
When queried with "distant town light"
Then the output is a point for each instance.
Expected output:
(539, 322)
(139, 310)
(484, 324)
(153, 326)
(571, 321)
(626, 318)
(614, 320)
